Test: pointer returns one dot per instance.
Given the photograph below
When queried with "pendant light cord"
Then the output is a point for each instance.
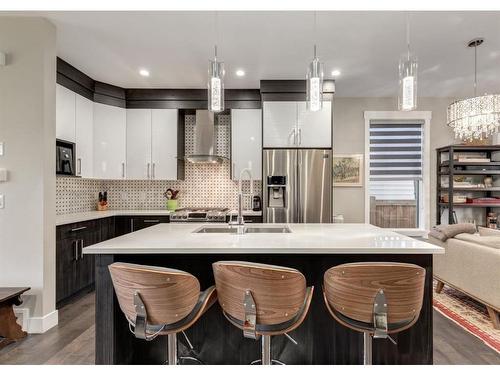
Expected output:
(216, 32)
(475, 70)
(315, 33)
(408, 33)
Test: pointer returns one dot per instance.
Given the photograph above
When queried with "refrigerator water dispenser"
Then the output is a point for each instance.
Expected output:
(276, 191)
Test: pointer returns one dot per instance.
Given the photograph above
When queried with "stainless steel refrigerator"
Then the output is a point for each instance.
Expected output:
(297, 186)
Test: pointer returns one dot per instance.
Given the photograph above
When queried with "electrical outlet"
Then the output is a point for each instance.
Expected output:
(142, 196)
(123, 196)
(2, 201)
(1, 148)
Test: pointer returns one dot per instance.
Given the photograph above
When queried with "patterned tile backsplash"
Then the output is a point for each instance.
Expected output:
(205, 185)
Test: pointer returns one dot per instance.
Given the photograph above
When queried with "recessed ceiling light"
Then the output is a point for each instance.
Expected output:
(144, 73)
(240, 73)
(335, 73)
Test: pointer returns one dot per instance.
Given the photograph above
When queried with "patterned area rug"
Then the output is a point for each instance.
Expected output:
(468, 314)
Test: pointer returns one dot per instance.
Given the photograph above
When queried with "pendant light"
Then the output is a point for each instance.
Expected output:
(215, 80)
(477, 117)
(314, 81)
(407, 98)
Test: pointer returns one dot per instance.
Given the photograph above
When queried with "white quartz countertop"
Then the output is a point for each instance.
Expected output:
(92, 215)
(304, 239)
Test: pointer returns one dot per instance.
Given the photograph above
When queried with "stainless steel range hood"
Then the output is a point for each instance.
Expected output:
(205, 142)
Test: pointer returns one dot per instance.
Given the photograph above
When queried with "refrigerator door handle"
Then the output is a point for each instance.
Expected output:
(298, 200)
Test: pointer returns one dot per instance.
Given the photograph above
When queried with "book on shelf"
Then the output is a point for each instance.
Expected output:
(469, 154)
(474, 160)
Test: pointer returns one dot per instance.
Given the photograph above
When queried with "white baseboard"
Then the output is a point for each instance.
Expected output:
(23, 316)
(38, 324)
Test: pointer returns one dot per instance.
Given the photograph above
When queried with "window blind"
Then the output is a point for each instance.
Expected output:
(395, 159)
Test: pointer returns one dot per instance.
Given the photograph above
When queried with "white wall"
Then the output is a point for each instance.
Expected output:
(27, 128)
(349, 138)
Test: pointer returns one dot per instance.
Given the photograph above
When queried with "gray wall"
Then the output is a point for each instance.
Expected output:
(349, 138)
(27, 127)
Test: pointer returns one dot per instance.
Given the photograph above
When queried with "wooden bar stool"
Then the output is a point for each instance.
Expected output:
(262, 300)
(160, 301)
(376, 299)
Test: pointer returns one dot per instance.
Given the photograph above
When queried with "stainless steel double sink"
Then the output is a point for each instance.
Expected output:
(248, 229)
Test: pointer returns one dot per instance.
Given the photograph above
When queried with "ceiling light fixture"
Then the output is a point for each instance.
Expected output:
(215, 79)
(240, 73)
(335, 73)
(477, 117)
(144, 73)
(314, 79)
(407, 98)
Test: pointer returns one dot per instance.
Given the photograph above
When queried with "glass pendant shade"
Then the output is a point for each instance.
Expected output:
(314, 87)
(475, 118)
(407, 98)
(215, 85)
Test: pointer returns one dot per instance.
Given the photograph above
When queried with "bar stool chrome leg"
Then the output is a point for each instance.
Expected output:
(266, 350)
(367, 346)
(266, 353)
(172, 349)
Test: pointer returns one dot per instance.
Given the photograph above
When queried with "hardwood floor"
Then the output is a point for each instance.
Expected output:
(72, 341)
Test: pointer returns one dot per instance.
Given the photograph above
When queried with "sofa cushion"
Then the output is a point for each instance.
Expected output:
(489, 241)
(488, 232)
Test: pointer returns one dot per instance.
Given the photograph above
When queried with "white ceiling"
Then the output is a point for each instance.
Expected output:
(175, 47)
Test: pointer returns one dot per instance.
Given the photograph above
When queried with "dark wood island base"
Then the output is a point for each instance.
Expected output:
(321, 340)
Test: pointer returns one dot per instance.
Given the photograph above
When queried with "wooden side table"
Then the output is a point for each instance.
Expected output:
(10, 331)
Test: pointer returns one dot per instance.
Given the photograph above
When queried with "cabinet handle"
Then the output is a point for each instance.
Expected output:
(81, 249)
(300, 136)
(75, 250)
(294, 134)
(154, 170)
(149, 167)
(131, 225)
(79, 168)
(123, 170)
(151, 221)
(78, 229)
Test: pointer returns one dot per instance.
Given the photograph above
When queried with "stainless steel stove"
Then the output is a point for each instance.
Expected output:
(199, 214)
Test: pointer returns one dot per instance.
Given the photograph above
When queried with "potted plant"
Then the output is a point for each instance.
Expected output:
(171, 196)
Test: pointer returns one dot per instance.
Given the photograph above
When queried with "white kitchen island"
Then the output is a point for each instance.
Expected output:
(310, 248)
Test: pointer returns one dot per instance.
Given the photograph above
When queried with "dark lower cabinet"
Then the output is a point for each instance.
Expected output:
(74, 270)
(248, 219)
(128, 224)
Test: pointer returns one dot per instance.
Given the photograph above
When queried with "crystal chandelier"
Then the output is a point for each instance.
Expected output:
(477, 117)
(407, 98)
(314, 80)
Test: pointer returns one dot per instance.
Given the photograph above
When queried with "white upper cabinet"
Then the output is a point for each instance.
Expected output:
(109, 141)
(314, 128)
(84, 126)
(152, 144)
(139, 144)
(290, 124)
(164, 144)
(246, 142)
(65, 114)
(280, 124)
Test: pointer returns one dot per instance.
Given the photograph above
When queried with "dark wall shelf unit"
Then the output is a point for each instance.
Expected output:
(448, 167)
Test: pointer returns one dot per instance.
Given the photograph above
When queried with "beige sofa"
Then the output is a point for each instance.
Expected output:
(471, 264)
